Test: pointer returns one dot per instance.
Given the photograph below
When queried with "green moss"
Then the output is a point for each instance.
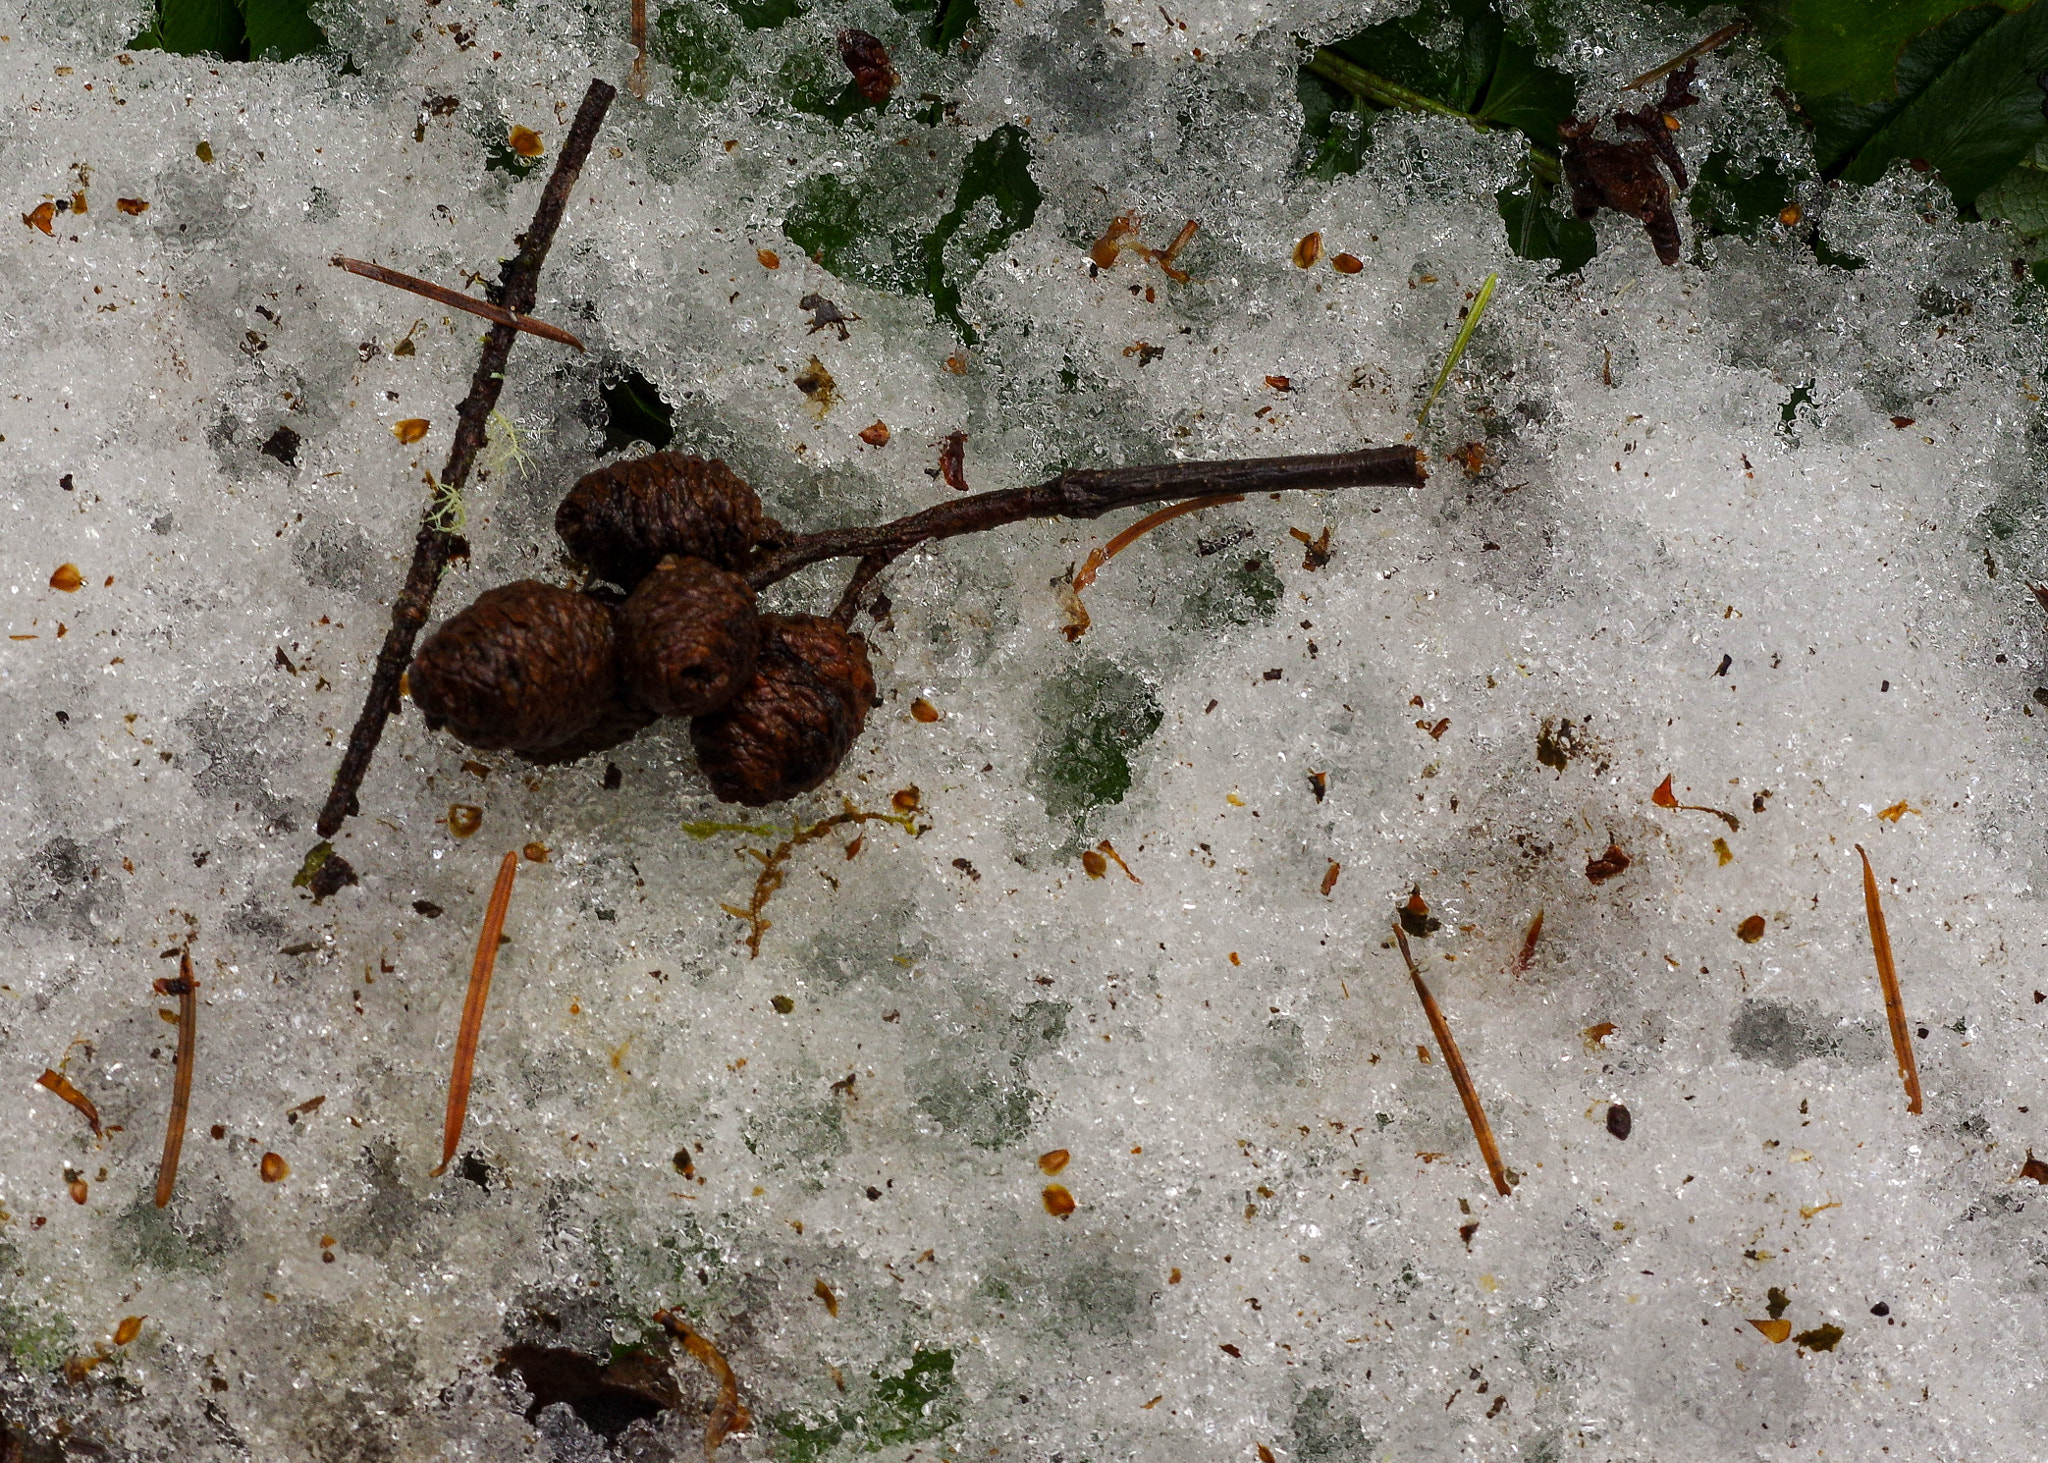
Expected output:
(1248, 593)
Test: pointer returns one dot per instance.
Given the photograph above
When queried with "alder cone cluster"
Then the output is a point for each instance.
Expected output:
(554, 675)
(790, 726)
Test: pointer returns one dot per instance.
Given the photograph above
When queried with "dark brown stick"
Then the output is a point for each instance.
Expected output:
(454, 299)
(1467, 1093)
(1888, 977)
(1089, 493)
(434, 546)
(186, 989)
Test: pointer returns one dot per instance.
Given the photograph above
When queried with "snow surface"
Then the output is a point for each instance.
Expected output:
(1704, 534)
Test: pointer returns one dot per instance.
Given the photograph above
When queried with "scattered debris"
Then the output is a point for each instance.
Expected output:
(1415, 916)
(773, 862)
(827, 316)
(953, 461)
(1623, 175)
(1663, 797)
(1315, 551)
(728, 1415)
(1528, 951)
(868, 60)
(1608, 865)
(1619, 1123)
(58, 1083)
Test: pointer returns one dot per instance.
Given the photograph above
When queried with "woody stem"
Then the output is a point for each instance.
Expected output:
(1082, 493)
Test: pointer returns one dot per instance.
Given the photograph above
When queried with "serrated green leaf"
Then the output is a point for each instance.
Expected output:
(281, 30)
(1975, 120)
(1853, 46)
(1841, 124)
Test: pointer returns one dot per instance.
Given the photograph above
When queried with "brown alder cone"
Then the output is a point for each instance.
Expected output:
(526, 668)
(624, 519)
(789, 728)
(688, 637)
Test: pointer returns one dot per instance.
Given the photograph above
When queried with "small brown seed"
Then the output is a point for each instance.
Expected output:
(624, 519)
(1309, 250)
(1347, 264)
(527, 667)
(464, 819)
(868, 60)
(273, 1168)
(791, 725)
(1058, 1202)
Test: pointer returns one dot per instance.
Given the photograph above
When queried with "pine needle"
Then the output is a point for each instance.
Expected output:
(1077, 615)
(1888, 977)
(1479, 304)
(1467, 1093)
(186, 989)
(473, 1009)
(456, 300)
(1719, 38)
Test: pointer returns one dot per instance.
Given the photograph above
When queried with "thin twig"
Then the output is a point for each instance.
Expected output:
(58, 1083)
(434, 546)
(1888, 977)
(1719, 38)
(1479, 304)
(186, 988)
(1089, 493)
(1467, 1093)
(455, 299)
(729, 1415)
(473, 1010)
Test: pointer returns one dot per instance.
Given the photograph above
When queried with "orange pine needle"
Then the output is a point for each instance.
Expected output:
(473, 1009)
(728, 1415)
(58, 1083)
(1888, 977)
(186, 989)
(637, 81)
(1085, 576)
(1467, 1093)
(455, 300)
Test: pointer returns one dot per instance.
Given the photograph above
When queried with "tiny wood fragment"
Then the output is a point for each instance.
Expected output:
(1888, 977)
(774, 863)
(186, 988)
(58, 1083)
(473, 1009)
(1453, 1059)
(1624, 175)
(728, 1415)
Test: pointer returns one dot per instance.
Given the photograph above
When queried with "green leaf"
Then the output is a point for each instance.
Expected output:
(1538, 230)
(950, 25)
(2020, 198)
(817, 85)
(1726, 202)
(198, 28)
(1095, 714)
(1454, 74)
(999, 173)
(764, 14)
(635, 412)
(1841, 124)
(281, 30)
(700, 45)
(1526, 95)
(1978, 118)
(1853, 45)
